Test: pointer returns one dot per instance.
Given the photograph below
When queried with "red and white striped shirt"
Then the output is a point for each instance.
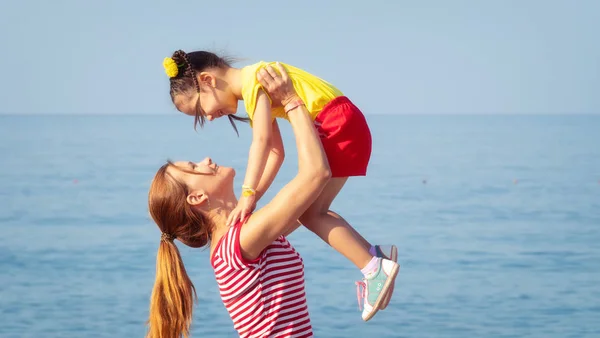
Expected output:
(265, 297)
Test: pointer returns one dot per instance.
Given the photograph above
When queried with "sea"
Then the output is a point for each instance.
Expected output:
(496, 218)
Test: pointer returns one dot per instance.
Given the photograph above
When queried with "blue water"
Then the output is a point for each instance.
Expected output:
(496, 218)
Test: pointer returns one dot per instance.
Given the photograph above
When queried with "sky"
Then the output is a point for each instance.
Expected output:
(389, 57)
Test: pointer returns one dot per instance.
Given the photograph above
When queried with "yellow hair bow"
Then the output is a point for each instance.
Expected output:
(170, 67)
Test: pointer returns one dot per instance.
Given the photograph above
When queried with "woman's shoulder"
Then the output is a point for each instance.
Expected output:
(227, 250)
(216, 242)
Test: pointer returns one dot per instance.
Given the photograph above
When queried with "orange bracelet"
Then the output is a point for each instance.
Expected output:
(293, 105)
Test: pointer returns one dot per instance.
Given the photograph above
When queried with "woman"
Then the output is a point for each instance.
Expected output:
(259, 274)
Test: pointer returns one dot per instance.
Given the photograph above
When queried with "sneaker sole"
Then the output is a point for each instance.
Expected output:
(393, 257)
(390, 281)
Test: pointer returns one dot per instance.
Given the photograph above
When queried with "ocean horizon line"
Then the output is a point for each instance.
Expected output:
(366, 114)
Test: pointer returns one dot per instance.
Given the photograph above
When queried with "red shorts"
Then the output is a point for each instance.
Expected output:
(345, 136)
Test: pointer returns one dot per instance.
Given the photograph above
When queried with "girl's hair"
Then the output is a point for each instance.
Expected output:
(173, 294)
(190, 64)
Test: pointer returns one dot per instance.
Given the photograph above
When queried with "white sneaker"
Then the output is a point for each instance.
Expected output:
(376, 287)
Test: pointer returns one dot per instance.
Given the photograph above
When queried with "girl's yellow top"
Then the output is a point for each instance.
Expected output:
(314, 91)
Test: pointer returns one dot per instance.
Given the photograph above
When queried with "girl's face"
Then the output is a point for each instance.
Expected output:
(214, 100)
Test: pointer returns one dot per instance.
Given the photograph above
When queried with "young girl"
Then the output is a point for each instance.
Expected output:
(206, 86)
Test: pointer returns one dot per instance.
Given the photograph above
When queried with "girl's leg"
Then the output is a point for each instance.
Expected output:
(380, 273)
(333, 229)
(358, 236)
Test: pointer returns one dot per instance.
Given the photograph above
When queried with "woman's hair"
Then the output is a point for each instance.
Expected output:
(190, 64)
(173, 294)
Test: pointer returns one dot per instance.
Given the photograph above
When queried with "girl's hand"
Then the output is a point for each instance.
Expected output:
(245, 206)
(279, 87)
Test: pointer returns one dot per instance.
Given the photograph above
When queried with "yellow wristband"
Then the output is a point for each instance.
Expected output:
(247, 191)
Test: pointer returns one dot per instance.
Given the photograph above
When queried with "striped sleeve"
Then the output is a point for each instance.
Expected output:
(230, 253)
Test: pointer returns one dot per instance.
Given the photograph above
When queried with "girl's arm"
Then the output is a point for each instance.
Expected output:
(261, 140)
(274, 162)
(257, 157)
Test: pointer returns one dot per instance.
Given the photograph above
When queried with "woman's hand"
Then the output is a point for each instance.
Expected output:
(278, 86)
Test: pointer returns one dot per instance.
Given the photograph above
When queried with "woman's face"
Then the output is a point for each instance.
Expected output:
(204, 178)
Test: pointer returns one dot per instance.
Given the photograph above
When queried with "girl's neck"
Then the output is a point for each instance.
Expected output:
(233, 76)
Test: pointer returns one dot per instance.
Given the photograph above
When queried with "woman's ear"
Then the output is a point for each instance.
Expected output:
(196, 197)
